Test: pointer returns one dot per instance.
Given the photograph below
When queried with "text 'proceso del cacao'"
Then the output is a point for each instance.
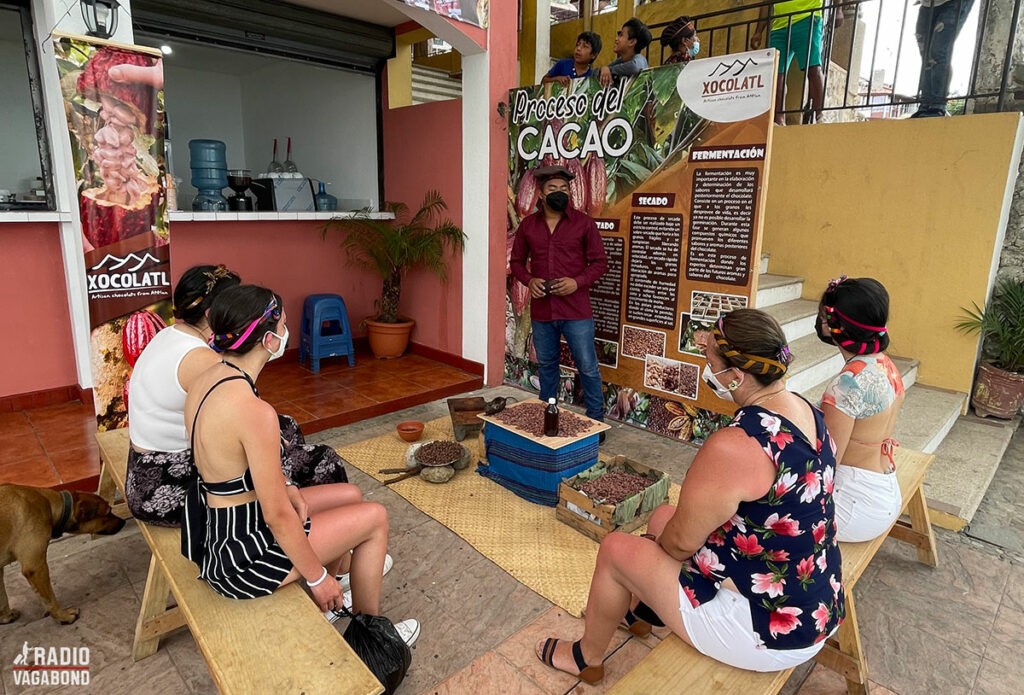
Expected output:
(555, 142)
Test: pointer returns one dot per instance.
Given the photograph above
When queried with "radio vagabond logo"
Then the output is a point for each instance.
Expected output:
(51, 666)
(728, 88)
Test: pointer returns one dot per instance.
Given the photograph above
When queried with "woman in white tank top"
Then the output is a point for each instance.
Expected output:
(159, 461)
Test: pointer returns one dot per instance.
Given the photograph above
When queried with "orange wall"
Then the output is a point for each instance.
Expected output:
(289, 257)
(38, 355)
(422, 151)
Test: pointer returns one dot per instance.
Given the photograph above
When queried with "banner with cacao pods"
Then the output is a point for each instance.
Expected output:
(113, 100)
(672, 164)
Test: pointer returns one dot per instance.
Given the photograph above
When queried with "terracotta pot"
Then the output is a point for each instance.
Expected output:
(388, 340)
(997, 392)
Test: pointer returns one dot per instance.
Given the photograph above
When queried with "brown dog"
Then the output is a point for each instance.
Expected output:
(29, 518)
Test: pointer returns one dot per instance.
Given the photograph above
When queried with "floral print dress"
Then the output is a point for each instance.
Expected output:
(781, 550)
(158, 481)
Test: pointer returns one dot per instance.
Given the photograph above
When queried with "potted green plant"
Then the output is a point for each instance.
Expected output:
(391, 247)
(999, 387)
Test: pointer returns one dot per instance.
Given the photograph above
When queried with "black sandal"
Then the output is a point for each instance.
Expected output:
(636, 626)
(591, 675)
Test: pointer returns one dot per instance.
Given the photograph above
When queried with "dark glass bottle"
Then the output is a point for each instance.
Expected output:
(551, 419)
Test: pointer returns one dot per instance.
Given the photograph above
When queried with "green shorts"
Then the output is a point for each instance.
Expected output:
(802, 39)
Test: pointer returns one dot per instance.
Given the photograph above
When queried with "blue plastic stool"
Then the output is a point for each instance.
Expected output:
(325, 331)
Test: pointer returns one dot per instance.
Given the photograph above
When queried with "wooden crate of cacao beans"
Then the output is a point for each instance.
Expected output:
(614, 495)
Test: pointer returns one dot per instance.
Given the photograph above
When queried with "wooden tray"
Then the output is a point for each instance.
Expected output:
(550, 442)
(602, 524)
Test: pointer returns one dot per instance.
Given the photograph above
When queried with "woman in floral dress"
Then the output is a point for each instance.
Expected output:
(861, 405)
(746, 568)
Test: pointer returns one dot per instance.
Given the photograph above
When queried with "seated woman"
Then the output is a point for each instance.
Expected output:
(681, 39)
(159, 463)
(746, 568)
(861, 405)
(248, 528)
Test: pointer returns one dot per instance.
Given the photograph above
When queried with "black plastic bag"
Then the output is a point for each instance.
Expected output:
(375, 640)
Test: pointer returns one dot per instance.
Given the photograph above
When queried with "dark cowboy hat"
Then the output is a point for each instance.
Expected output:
(544, 174)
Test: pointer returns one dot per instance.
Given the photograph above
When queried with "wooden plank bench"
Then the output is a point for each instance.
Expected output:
(274, 644)
(675, 667)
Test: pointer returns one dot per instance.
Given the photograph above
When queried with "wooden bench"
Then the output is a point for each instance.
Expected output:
(275, 644)
(675, 667)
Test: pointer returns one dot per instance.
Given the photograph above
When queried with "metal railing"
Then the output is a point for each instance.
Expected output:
(861, 55)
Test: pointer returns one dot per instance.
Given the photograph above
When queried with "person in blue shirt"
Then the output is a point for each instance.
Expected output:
(630, 42)
(588, 45)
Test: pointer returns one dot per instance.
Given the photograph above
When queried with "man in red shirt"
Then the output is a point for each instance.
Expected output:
(566, 256)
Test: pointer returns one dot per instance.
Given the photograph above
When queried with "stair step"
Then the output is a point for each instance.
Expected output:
(907, 368)
(440, 82)
(797, 317)
(776, 289)
(927, 416)
(813, 363)
(965, 463)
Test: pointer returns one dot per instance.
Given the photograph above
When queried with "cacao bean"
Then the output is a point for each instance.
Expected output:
(578, 186)
(597, 184)
(526, 200)
(139, 329)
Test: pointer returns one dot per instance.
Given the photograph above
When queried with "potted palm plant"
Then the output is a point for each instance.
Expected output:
(999, 387)
(390, 248)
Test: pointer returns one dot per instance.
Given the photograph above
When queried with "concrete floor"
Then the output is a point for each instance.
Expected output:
(958, 628)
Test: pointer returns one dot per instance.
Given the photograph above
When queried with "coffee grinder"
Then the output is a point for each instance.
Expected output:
(239, 181)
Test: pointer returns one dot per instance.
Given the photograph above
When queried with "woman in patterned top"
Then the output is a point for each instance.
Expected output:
(746, 568)
(861, 406)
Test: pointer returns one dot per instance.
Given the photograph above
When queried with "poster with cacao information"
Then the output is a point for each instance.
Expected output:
(113, 99)
(672, 165)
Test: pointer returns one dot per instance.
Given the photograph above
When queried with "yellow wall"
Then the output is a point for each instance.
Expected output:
(916, 204)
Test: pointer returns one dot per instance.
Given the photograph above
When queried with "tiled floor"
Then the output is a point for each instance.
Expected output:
(55, 446)
(957, 628)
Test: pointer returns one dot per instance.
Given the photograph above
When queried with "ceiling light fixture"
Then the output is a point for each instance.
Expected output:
(166, 50)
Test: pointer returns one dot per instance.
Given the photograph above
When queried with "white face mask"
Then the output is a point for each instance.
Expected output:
(711, 379)
(274, 354)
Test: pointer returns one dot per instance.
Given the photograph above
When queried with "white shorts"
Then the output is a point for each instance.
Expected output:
(867, 502)
(723, 630)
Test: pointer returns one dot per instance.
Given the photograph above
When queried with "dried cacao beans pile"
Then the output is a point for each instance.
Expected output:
(612, 488)
(637, 342)
(529, 417)
(438, 453)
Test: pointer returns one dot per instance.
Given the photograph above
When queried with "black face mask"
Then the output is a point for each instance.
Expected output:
(823, 331)
(557, 201)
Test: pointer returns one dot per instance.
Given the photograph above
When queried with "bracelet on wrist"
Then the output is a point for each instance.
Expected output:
(318, 581)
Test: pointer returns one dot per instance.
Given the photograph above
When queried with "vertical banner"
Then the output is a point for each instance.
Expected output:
(671, 164)
(113, 99)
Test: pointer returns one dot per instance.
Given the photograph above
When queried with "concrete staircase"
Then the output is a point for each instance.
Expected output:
(965, 462)
(431, 84)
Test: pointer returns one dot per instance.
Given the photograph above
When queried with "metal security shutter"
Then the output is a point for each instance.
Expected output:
(270, 27)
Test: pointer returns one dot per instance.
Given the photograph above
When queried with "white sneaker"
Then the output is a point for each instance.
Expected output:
(346, 581)
(333, 615)
(409, 631)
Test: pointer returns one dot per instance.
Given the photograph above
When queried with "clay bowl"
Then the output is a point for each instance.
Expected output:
(410, 430)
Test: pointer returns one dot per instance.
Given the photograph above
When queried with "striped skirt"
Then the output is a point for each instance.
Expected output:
(241, 558)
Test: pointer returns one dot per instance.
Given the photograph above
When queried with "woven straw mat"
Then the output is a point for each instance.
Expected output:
(524, 539)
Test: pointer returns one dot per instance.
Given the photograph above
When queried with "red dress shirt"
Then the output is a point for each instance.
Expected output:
(574, 250)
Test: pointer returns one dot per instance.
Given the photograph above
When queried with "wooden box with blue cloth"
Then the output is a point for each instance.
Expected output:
(532, 466)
